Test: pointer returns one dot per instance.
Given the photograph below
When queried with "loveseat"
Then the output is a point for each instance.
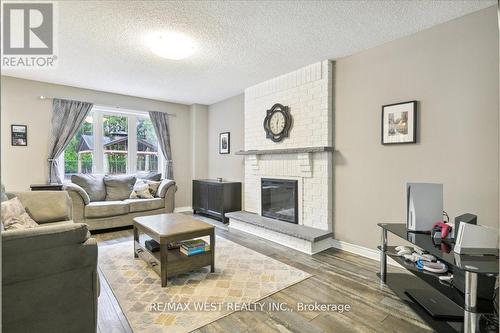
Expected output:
(104, 202)
(49, 272)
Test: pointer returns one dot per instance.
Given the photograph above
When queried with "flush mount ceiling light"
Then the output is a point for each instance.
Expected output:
(171, 45)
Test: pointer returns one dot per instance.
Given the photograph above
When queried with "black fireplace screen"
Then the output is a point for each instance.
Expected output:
(279, 199)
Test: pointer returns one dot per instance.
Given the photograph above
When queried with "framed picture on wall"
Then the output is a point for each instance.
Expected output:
(19, 135)
(224, 143)
(399, 123)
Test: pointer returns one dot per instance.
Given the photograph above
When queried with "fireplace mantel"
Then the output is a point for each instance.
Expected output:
(286, 151)
(304, 156)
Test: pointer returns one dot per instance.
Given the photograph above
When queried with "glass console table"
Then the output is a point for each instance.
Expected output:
(473, 266)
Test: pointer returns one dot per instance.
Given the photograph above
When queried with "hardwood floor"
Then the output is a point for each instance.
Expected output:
(338, 277)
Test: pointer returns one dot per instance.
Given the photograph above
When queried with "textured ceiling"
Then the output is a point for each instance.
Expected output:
(101, 43)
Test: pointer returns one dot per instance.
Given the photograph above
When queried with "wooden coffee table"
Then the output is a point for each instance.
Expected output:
(169, 228)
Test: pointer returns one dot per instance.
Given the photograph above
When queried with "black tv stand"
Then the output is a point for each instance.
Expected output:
(473, 266)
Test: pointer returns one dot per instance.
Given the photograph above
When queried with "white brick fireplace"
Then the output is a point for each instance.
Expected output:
(313, 178)
(308, 92)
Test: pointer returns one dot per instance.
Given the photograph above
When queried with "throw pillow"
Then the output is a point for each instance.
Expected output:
(153, 187)
(92, 184)
(144, 189)
(14, 216)
(119, 187)
(141, 194)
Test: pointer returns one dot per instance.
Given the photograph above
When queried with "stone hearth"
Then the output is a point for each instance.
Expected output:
(305, 239)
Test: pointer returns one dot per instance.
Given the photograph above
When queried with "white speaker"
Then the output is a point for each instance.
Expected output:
(476, 239)
(424, 205)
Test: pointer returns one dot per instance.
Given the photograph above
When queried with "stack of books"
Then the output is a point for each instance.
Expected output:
(194, 246)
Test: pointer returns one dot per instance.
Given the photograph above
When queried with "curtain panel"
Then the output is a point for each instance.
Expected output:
(162, 130)
(67, 118)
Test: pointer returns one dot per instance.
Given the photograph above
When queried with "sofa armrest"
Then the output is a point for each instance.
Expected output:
(170, 199)
(71, 187)
(29, 254)
(78, 207)
(164, 186)
(91, 243)
(44, 236)
(46, 206)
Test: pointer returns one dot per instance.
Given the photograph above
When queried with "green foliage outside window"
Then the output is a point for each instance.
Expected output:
(114, 124)
(117, 163)
(145, 130)
(116, 127)
(71, 154)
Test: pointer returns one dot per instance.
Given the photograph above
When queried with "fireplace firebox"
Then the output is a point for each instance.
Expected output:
(279, 199)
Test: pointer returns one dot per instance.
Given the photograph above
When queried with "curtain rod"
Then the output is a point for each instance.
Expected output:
(108, 106)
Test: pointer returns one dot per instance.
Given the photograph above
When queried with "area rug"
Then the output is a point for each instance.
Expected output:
(242, 277)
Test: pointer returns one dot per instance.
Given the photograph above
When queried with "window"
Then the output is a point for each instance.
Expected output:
(147, 146)
(79, 153)
(113, 141)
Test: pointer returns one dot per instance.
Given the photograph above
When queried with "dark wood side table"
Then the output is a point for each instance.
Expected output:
(216, 198)
(46, 187)
(169, 228)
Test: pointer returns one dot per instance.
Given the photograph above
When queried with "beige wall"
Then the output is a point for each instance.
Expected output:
(22, 166)
(226, 116)
(199, 144)
(452, 70)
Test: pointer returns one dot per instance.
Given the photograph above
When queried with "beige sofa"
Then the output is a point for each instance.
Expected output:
(49, 273)
(94, 208)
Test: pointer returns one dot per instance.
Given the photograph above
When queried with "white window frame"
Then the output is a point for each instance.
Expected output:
(98, 112)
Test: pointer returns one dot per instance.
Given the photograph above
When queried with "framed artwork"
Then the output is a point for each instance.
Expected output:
(224, 143)
(399, 123)
(19, 135)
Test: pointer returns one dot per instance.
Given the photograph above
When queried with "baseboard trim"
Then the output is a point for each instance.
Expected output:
(361, 251)
(182, 209)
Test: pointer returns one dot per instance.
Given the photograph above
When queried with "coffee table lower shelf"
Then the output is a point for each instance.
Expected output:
(177, 262)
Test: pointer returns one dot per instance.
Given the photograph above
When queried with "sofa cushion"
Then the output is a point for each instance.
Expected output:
(106, 208)
(45, 206)
(119, 187)
(141, 205)
(92, 184)
(149, 175)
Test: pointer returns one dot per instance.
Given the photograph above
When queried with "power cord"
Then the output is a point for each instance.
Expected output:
(446, 217)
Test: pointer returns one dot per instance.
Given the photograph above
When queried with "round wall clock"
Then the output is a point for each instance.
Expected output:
(277, 122)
